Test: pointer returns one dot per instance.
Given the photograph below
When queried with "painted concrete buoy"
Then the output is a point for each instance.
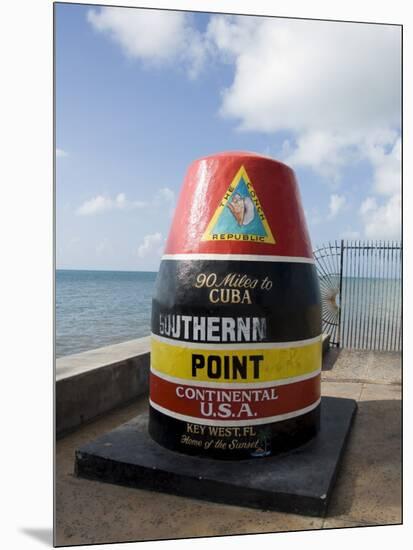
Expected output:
(236, 320)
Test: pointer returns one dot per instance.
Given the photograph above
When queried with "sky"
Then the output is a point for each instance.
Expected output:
(142, 93)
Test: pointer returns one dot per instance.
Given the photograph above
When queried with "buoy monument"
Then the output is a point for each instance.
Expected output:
(236, 318)
(235, 411)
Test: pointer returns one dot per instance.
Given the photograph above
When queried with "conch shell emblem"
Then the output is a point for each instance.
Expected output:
(242, 208)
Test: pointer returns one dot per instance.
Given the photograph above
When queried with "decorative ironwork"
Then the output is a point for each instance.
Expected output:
(360, 284)
(328, 261)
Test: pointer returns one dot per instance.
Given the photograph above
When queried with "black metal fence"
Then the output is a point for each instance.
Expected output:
(360, 283)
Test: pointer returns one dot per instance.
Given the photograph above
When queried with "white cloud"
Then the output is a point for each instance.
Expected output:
(386, 166)
(102, 203)
(95, 205)
(153, 36)
(333, 85)
(60, 153)
(306, 75)
(324, 152)
(152, 246)
(381, 214)
(337, 202)
(368, 205)
(382, 221)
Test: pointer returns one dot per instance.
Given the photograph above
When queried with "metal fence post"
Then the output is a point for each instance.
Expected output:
(340, 305)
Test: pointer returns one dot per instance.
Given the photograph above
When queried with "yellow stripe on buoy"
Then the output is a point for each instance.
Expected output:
(234, 365)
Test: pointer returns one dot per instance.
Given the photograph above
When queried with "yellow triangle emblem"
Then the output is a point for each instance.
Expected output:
(239, 215)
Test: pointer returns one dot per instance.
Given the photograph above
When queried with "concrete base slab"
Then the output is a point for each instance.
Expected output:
(300, 481)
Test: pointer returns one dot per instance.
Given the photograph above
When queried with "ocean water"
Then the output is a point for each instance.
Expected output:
(99, 308)
(371, 313)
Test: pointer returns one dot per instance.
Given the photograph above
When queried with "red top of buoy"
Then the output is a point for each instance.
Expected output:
(239, 203)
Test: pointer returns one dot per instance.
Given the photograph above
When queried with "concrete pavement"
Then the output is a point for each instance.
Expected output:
(368, 489)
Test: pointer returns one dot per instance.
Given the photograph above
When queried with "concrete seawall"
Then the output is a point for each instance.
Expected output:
(93, 383)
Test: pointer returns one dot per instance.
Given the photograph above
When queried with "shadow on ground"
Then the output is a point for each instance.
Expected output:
(330, 358)
(44, 535)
